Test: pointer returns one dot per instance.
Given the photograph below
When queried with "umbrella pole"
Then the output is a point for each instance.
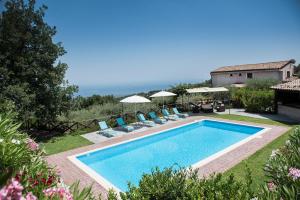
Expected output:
(135, 112)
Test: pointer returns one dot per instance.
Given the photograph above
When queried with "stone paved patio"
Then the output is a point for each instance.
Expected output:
(95, 137)
(70, 172)
(275, 117)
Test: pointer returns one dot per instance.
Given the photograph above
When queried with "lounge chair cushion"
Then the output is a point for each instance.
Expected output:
(156, 119)
(120, 121)
(141, 117)
(144, 121)
(110, 133)
(165, 112)
(175, 110)
(168, 116)
(103, 125)
(152, 115)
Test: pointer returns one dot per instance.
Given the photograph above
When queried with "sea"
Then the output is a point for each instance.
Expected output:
(120, 90)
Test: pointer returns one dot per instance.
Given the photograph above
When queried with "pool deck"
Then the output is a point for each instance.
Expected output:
(71, 173)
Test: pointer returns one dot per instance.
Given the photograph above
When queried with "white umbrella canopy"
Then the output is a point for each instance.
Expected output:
(207, 90)
(197, 90)
(135, 99)
(163, 94)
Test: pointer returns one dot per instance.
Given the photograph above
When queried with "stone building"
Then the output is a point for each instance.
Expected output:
(239, 74)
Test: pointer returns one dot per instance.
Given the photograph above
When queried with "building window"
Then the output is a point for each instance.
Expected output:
(240, 74)
(288, 74)
(249, 75)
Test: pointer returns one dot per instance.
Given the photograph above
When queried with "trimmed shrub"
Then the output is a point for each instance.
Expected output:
(261, 84)
(258, 101)
(181, 183)
(256, 97)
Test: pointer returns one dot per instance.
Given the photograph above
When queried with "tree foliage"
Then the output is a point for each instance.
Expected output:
(257, 96)
(30, 74)
(259, 84)
(85, 102)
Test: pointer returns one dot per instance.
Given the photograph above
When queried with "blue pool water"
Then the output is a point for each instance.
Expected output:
(184, 146)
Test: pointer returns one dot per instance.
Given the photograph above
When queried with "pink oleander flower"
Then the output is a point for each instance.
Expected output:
(294, 173)
(12, 191)
(61, 192)
(32, 145)
(271, 186)
(30, 196)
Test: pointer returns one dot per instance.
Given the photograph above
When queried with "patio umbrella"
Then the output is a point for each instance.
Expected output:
(135, 99)
(163, 94)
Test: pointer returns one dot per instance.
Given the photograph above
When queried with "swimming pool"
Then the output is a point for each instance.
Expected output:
(185, 145)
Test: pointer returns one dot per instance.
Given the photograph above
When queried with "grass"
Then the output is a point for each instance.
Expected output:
(256, 161)
(250, 119)
(64, 143)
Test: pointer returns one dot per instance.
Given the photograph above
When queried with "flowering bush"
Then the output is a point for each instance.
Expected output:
(24, 173)
(21, 159)
(283, 170)
(14, 191)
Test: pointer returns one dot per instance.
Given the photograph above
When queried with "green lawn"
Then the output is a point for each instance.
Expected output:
(249, 119)
(64, 143)
(257, 161)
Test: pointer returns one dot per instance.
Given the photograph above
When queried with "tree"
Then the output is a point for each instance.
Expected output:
(30, 74)
(180, 90)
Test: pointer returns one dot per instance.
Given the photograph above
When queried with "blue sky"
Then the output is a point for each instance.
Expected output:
(136, 42)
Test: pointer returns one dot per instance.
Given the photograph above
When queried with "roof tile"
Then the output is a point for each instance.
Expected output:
(258, 66)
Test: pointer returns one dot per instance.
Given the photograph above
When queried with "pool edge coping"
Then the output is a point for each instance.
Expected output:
(107, 185)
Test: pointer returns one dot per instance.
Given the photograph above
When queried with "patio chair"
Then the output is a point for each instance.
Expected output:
(167, 115)
(207, 108)
(107, 131)
(220, 107)
(194, 107)
(142, 119)
(121, 123)
(182, 115)
(156, 119)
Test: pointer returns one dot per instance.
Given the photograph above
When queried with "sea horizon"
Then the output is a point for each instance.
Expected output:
(122, 90)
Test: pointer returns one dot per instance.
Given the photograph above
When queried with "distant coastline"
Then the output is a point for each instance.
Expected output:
(122, 90)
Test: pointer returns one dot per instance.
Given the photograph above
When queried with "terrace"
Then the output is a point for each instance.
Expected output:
(218, 163)
(66, 134)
